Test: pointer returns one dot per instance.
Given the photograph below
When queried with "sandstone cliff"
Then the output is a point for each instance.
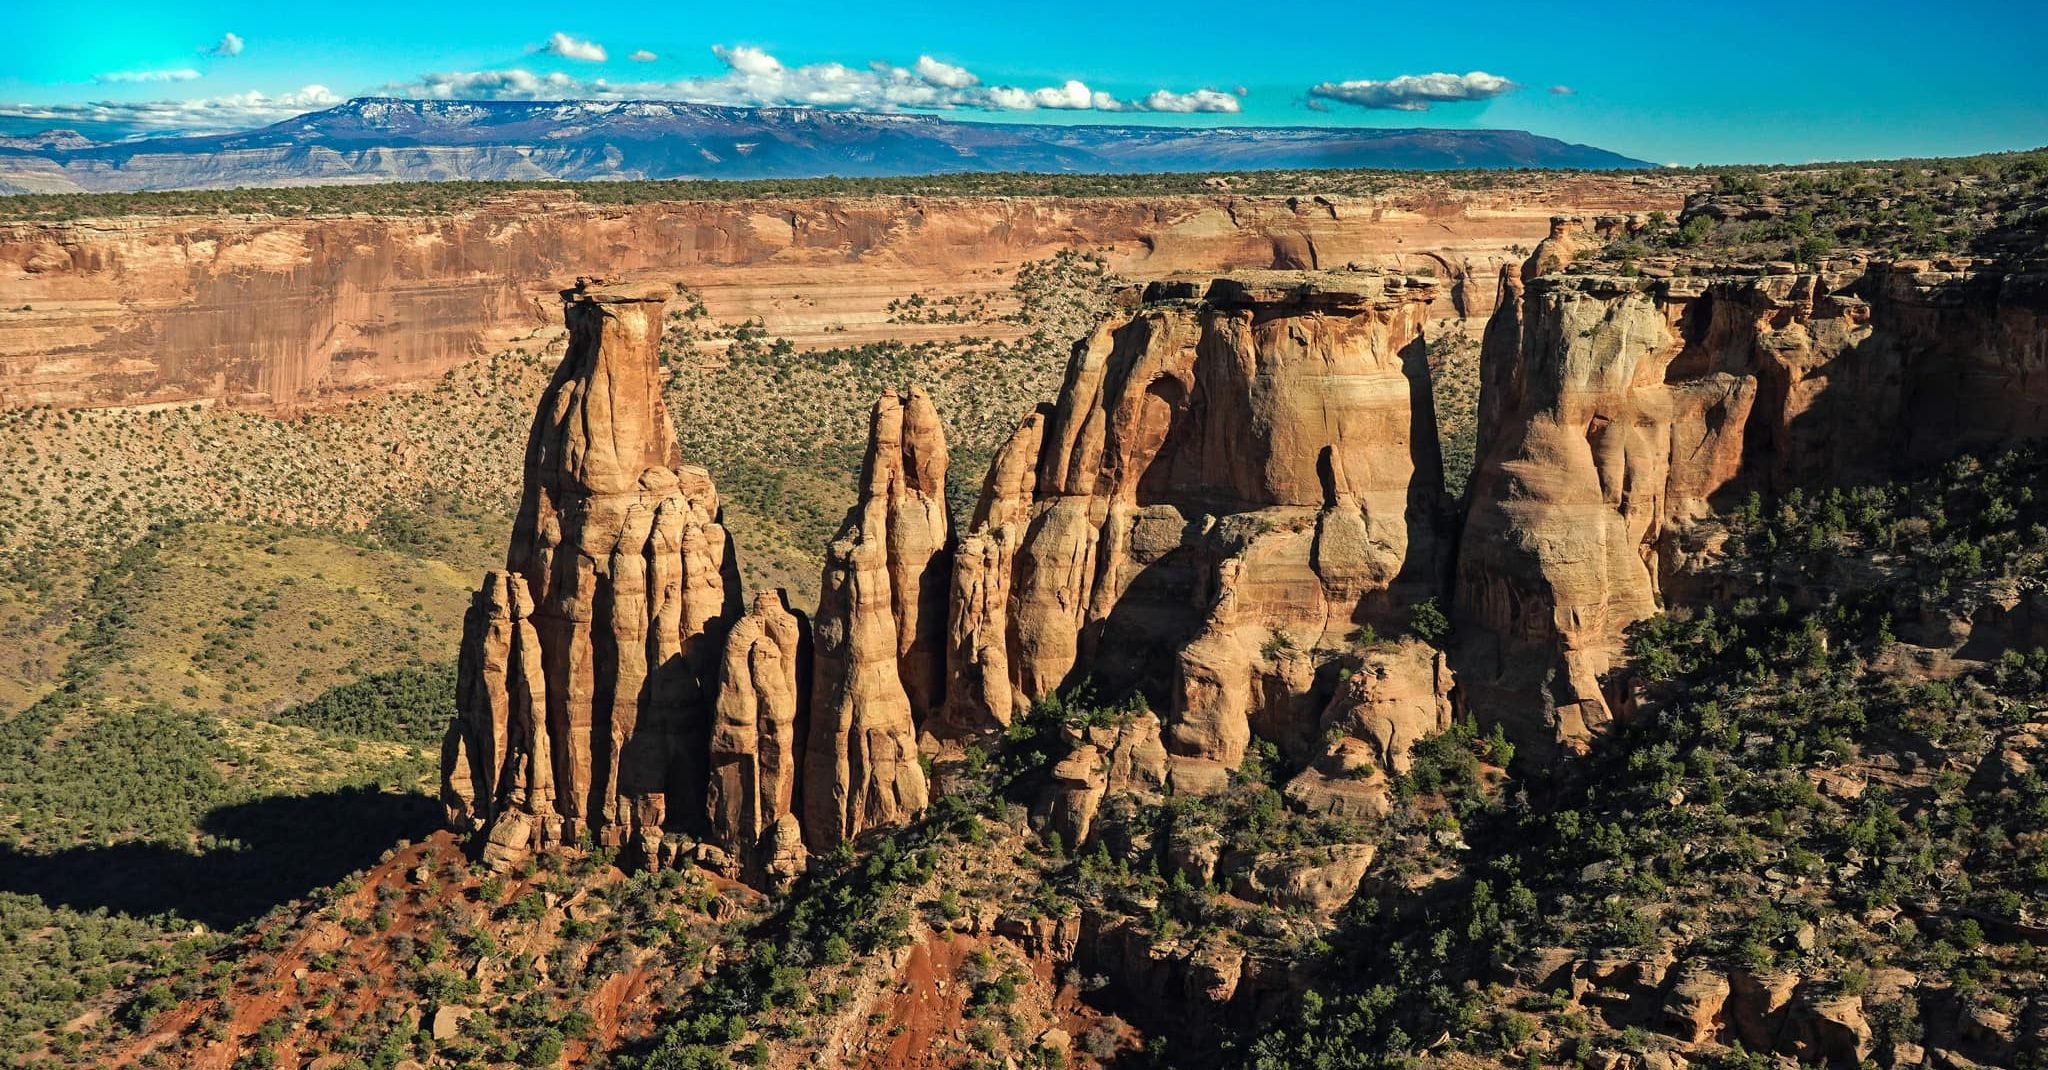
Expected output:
(1230, 483)
(619, 547)
(1237, 487)
(1621, 415)
(279, 313)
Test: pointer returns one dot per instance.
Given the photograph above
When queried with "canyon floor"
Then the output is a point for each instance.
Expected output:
(229, 613)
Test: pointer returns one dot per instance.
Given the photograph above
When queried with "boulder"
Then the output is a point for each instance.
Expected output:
(448, 1019)
(1693, 1008)
(1315, 880)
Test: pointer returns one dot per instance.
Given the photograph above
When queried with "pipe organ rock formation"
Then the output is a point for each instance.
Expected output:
(881, 615)
(1230, 482)
(1234, 483)
(620, 553)
(497, 755)
(1622, 416)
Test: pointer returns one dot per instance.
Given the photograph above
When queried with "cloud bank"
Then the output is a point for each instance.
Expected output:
(751, 77)
(1414, 92)
(754, 77)
(213, 115)
(181, 74)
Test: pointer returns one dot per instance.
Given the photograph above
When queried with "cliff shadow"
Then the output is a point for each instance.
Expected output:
(278, 849)
(1433, 517)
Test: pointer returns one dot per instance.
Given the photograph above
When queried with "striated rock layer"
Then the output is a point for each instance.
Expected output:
(619, 553)
(1230, 480)
(280, 313)
(1620, 415)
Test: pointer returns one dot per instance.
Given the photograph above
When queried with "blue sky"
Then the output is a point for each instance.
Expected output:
(1729, 81)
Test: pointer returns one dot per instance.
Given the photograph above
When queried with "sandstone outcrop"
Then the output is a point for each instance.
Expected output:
(1398, 695)
(1119, 758)
(757, 740)
(878, 632)
(619, 546)
(496, 753)
(1231, 482)
(1633, 410)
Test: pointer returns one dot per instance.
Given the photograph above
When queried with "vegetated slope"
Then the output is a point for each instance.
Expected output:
(1803, 835)
(1809, 833)
(373, 139)
(1980, 205)
(124, 822)
(226, 638)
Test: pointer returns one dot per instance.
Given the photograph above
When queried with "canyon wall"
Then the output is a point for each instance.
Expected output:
(278, 313)
(1623, 415)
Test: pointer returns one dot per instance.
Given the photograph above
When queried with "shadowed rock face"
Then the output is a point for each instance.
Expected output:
(1620, 415)
(881, 611)
(619, 552)
(1224, 485)
(757, 740)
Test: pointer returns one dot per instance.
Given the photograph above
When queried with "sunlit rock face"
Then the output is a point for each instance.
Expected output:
(1233, 480)
(619, 552)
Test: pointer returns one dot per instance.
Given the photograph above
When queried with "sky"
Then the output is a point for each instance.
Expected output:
(1727, 82)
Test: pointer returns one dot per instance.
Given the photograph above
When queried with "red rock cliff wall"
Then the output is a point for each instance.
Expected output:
(1633, 410)
(277, 313)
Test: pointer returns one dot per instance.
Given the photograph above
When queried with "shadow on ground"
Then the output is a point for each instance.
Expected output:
(284, 847)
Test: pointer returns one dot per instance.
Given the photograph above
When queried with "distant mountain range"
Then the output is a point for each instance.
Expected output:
(381, 139)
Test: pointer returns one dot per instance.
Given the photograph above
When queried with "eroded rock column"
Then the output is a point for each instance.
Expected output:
(757, 740)
(879, 647)
(619, 548)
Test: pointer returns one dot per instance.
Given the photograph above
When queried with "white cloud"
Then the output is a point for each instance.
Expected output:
(230, 45)
(643, 56)
(1415, 92)
(567, 47)
(241, 111)
(945, 75)
(515, 84)
(1563, 91)
(754, 77)
(1207, 100)
(754, 62)
(182, 74)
